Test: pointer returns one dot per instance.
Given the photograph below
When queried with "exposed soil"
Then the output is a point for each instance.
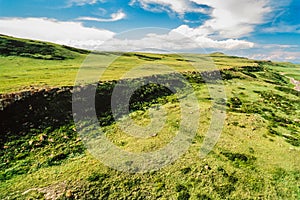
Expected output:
(296, 83)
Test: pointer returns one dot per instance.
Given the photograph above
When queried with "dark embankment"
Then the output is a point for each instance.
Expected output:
(44, 108)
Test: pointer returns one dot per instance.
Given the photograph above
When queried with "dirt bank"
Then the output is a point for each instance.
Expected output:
(296, 83)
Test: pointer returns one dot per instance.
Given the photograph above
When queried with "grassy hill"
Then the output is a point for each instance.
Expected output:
(19, 72)
(43, 157)
(10, 46)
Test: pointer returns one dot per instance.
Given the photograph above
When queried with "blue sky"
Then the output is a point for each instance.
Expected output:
(260, 29)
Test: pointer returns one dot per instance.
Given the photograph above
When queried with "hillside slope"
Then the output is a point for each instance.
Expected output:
(256, 157)
(10, 46)
(27, 64)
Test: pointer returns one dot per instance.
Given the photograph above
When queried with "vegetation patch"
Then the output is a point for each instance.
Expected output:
(10, 46)
(42, 155)
(239, 159)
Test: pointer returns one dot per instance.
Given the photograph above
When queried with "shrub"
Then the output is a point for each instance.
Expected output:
(180, 188)
(203, 197)
(186, 170)
(184, 195)
(97, 177)
(235, 102)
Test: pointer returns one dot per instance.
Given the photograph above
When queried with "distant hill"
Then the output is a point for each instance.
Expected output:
(11, 46)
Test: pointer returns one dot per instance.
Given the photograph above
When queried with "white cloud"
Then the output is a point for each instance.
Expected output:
(235, 18)
(75, 34)
(201, 35)
(172, 41)
(283, 28)
(228, 19)
(276, 46)
(52, 30)
(279, 55)
(113, 17)
(178, 6)
(82, 2)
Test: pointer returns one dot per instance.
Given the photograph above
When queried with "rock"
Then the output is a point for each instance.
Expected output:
(50, 140)
(207, 167)
(42, 137)
(38, 144)
(69, 194)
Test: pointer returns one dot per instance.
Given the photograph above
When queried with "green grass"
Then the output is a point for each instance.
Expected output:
(288, 69)
(22, 73)
(10, 46)
(247, 162)
(256, 157)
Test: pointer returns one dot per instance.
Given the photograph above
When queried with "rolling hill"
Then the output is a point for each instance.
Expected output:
(10, 46)
(43, 156)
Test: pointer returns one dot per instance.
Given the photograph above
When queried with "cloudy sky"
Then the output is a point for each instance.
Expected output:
(260, 29)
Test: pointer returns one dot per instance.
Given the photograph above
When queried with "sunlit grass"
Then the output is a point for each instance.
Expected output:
(20, 73)
(250, 160)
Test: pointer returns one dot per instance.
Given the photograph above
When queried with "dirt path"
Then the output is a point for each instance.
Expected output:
(296, 83)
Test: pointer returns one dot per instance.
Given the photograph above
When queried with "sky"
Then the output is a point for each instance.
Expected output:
(258, 29)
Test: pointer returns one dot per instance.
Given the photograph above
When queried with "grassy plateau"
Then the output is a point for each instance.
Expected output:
(43, 157)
